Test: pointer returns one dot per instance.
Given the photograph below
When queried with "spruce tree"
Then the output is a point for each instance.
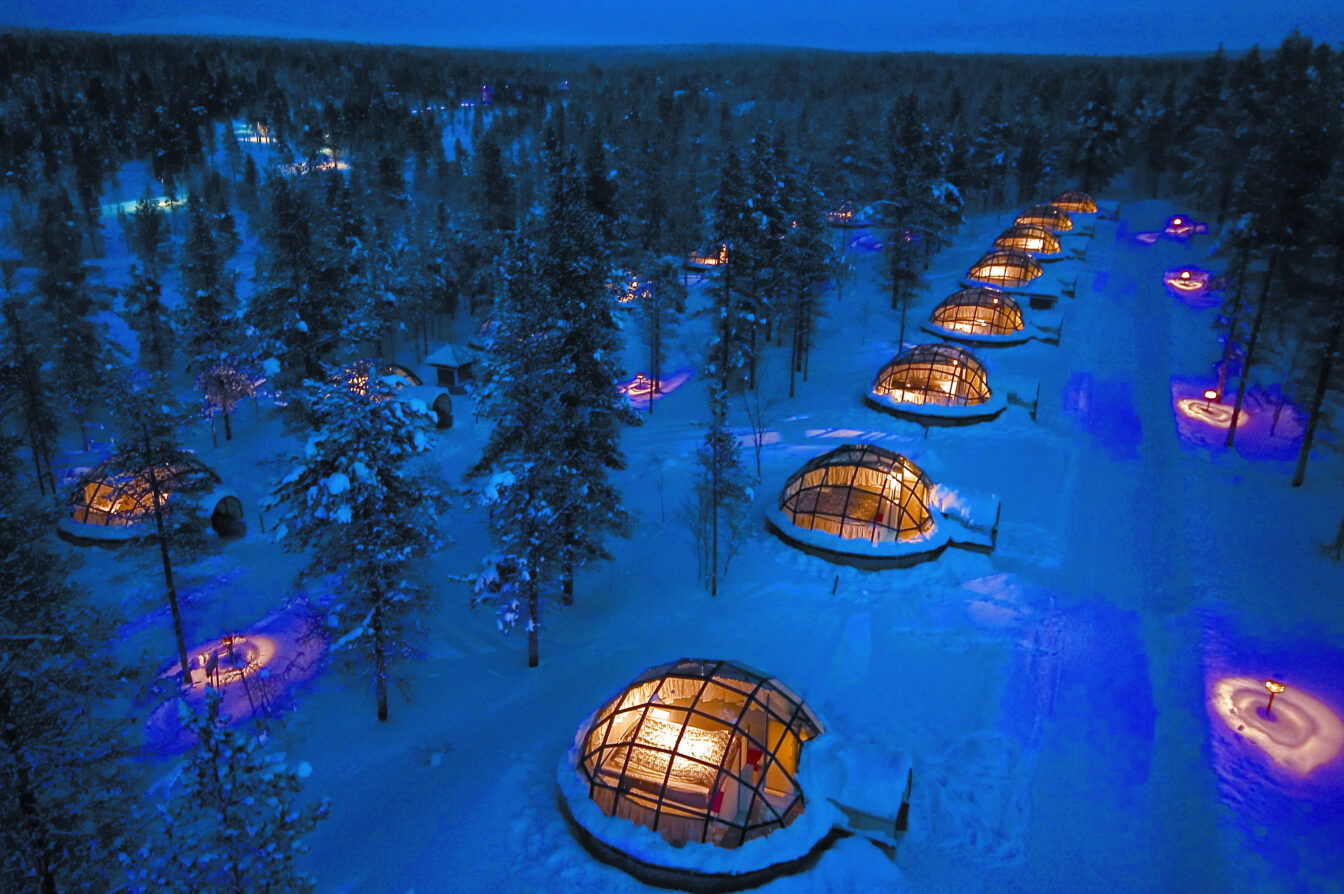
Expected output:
(575, 269)
(356, 502)
(63, 798)
(208, 310)
(82, 357)
(231, 821)
(149, 318)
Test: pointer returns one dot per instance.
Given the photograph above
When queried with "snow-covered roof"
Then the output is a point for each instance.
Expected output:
(452, 356)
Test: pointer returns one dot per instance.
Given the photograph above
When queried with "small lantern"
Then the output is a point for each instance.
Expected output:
(1185, 274)
(1176, 221)
(1210, 395)
(1274, 687)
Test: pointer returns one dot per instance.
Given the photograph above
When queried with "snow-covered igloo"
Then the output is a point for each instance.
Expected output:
(1075, 202)
(114, 501)
(1047, 216)
(1005, 267)
(693, 771)
(864, 505)
(1037, 240)
(936, 383)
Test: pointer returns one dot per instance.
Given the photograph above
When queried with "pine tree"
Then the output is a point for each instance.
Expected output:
(148, 230)
(806, 262)
(208, 312)
(1094, 140)
(82, 357)
(26, 386)
(356, 502)
(492, 187)
(231, 822)
(63, 798)
(149, 318)
(730, 344)
(525, 491)
(723, 492)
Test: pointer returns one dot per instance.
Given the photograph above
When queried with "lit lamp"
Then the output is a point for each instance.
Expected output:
(1185, 274)
(1274, 687)
(1210, 395)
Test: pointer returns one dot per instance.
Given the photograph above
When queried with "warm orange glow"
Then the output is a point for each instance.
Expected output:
(1187, 280)
(1211, 394)
(700, 744)
(633, 289)
(1219, 415)
(718, 259)
(228, 661)
(1300, 734)
(1176, 221)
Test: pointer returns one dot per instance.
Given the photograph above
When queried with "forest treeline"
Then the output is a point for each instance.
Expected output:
(399, 186)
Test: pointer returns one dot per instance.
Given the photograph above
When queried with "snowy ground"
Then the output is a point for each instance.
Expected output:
(1051, 696)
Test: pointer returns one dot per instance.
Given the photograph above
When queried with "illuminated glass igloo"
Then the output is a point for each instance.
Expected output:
(699, 751)
(1075, 202)
(980, 315)
(114, 501)
(1047, 216)
(1006, 268)
(936, 383)
(690, 761)
(1036, 240)
(864, 505)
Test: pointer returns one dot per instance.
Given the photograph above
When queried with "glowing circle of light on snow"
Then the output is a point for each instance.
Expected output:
(228, 660)
(1187, 279)
(1302, 733)
(1219, 415)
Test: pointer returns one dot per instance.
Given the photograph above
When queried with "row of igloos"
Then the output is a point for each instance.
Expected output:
(941, 382)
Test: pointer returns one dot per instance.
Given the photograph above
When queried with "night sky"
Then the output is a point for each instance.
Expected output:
(1024, 26)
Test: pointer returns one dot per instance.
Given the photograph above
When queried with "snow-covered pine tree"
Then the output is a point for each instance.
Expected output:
(492, 187)
(575, 269)
(146, 314)
(148, 230)
(368, 516)
(806, 260)
(82, 355)
(231, 820)
(26, 387)
(1094, 140)
(723, 492)
(62, 799)
(208, 311)
(729, 349)
(520, 375)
